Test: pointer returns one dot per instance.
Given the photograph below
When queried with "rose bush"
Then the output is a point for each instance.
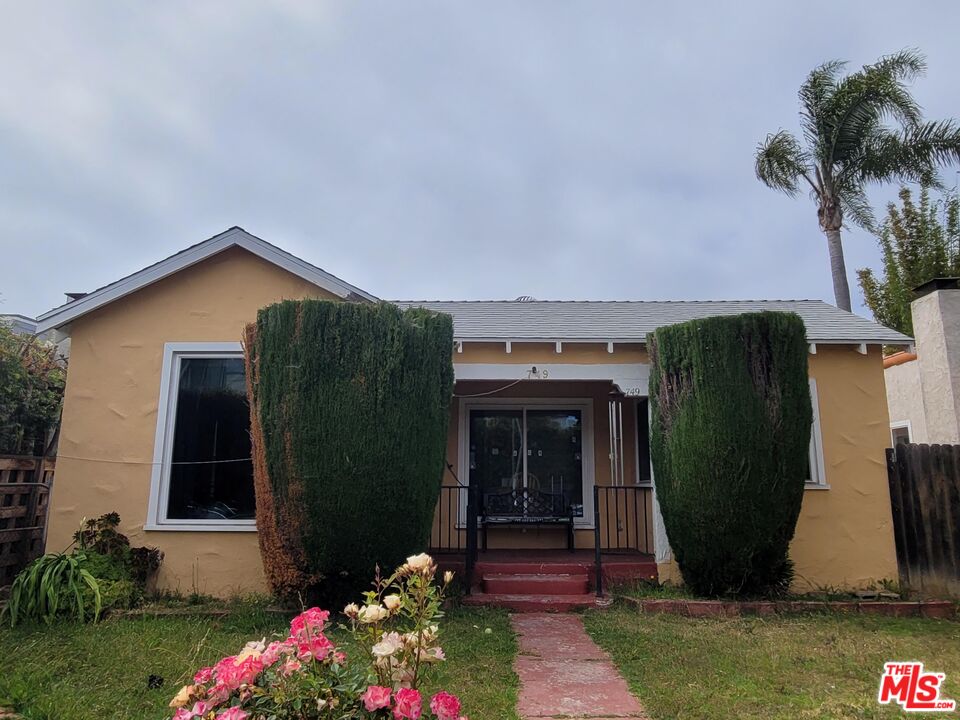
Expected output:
(304, 676)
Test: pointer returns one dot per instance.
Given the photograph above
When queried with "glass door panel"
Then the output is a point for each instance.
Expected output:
(555, 458)
(496, 458)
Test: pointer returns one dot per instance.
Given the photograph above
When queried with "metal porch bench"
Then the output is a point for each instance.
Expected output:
(525, 508)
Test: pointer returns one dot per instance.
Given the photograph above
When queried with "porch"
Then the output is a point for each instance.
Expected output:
(546, 580)
(548, 493)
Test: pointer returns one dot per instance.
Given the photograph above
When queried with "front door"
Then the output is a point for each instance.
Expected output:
(527, 460)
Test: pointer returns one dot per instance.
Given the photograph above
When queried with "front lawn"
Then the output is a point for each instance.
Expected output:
(74, 672)
(814, 666)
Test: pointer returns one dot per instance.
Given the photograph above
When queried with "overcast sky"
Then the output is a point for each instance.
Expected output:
(424, 150)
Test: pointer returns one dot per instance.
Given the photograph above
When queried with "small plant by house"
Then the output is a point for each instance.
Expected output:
(305, 676)
(349, 411)
(99, 572)
(730, 441)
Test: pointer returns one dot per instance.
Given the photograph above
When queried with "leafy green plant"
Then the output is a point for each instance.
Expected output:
(53, 585)
(349, 409)
(32, 378)
(919, 242)
(729, 442)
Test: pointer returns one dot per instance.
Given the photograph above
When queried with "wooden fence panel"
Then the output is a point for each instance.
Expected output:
(24, 490)
(925, 500)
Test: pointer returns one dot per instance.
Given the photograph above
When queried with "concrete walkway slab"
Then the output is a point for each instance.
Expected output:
(563, 673)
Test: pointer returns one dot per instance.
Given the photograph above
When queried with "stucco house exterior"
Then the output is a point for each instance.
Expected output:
(548, 394)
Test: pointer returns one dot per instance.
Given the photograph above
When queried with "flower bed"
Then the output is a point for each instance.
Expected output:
(304, 676)
(943, 609)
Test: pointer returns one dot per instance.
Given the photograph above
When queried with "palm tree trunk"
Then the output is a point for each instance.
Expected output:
(838, 269)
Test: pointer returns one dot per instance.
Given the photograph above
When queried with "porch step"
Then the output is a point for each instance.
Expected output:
(506, 567)
(536, 584)
(519, 602)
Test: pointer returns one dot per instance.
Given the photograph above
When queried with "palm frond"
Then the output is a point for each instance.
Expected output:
(863, 100)
(815, 92)
(781, 162)
(913, 154)
(856, 207)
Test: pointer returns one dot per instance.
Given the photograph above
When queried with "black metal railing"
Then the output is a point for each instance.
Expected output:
(453, 534)
(446, 535)
(622, 522)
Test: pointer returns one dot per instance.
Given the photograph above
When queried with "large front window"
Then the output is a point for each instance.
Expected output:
(528, 460)
(203, 476)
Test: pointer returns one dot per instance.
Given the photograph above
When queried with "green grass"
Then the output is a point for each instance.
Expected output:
(73, 672)
(814, 666)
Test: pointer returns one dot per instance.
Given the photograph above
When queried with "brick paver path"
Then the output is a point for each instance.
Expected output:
(564, 674)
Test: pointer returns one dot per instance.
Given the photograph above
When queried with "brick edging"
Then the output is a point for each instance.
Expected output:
(942, 609)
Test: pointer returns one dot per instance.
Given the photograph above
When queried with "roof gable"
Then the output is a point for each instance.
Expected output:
(234, 237)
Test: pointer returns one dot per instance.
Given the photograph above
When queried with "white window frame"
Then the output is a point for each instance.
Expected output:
(819, 479)
(636, 445)
(173, 353)
(900, 425)
(584, 405)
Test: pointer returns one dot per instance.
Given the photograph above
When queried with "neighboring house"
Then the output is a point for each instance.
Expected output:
(923, 382)
(23, 325)
(550, 397)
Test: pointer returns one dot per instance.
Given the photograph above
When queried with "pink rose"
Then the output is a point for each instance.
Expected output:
(232, 672)
(289, 666)
(201, 708)
(376, 697)
(308, 622)
(445, 706)
(407, 704)
(274, 650)
(203, 675)
(315, 647)
(183, 714)
(232, 713)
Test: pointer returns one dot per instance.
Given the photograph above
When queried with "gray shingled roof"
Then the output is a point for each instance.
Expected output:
(631, 321)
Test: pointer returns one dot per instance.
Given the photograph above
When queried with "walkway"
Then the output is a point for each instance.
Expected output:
(564, 674)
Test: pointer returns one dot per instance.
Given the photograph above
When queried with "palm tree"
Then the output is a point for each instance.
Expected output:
(848, 145)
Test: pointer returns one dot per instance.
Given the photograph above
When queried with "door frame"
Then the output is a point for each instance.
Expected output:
(584, 405)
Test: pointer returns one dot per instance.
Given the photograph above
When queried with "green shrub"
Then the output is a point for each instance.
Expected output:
(349, 413)
(53, 585)
(729, 442)
(32, 379)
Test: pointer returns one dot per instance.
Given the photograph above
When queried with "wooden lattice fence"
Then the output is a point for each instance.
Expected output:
(24, 489)
(925, 499)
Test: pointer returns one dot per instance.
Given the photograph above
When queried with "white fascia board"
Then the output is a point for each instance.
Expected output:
(235, 237)
(631, 378)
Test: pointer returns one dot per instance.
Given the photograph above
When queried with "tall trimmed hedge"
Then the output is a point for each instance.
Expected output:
(730, 439)
(349, 411)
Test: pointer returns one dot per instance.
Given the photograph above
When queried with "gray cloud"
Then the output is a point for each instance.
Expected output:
(430, 149)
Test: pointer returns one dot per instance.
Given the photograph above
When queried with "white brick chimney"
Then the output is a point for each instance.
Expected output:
(936, 328)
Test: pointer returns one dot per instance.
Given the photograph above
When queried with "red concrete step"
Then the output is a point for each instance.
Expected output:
(532, 603)
(487, 567)
(536, 584)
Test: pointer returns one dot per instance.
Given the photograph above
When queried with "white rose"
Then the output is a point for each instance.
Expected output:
(372, 613)
(351, 610)
(420, 562)
(392, 602)
(388, 645)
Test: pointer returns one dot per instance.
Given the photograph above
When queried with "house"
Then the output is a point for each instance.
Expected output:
(550, 397)
(923, 382)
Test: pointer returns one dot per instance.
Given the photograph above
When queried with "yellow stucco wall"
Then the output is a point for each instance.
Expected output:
(110, 411)
(845, 534)
(844, 537)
